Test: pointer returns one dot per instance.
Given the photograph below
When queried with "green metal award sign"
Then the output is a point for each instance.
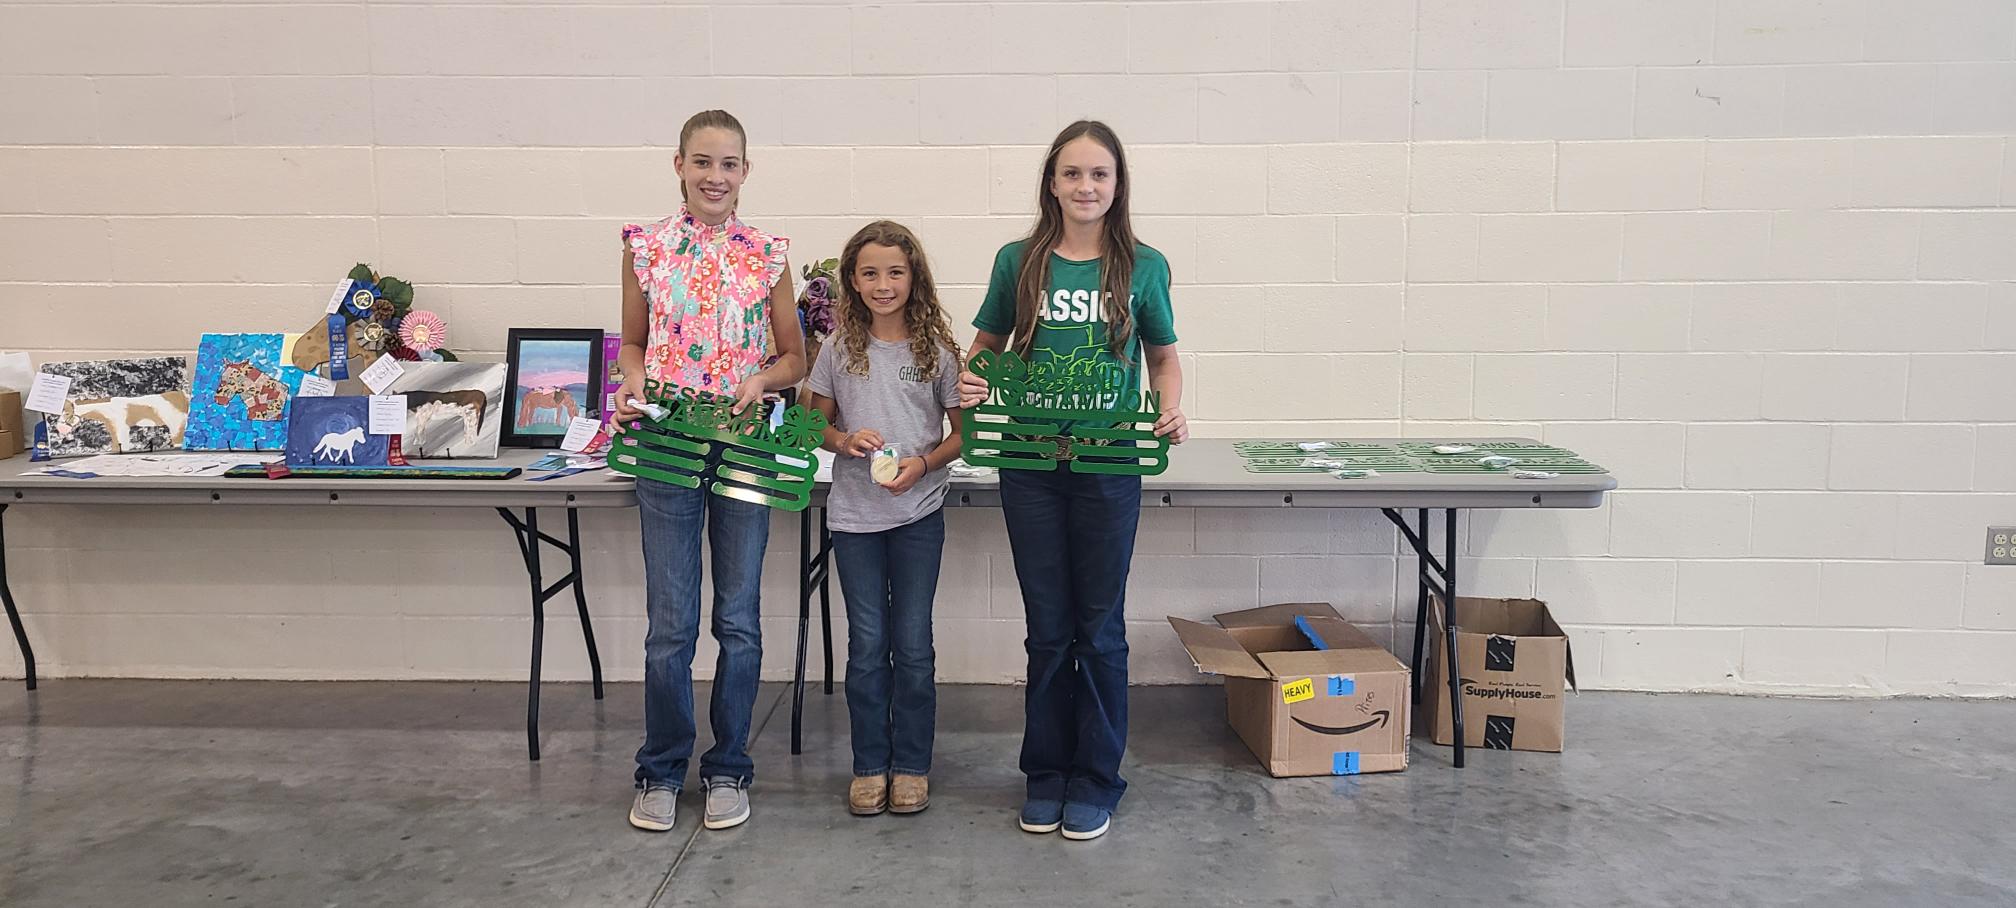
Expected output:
(1022, 425)
(760, 463)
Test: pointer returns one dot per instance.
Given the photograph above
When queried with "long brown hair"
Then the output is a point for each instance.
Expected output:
(930, 332)
(1116, 253)
(710, 119)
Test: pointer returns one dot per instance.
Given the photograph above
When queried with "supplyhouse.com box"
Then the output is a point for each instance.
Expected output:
(1514, 661)
(1310, 694)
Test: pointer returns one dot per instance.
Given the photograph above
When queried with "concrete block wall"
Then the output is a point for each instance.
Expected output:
(1755, 255)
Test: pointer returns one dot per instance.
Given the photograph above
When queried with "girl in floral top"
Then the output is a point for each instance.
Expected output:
(704, 294)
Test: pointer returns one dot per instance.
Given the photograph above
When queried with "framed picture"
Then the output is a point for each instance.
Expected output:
(554, 375)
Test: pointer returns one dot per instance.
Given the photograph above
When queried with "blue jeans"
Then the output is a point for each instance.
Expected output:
(1073, 539)
(890, 579)
(737, 532)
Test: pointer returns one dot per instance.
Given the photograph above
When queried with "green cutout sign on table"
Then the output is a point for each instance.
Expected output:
(1025, 422)
(768, 465)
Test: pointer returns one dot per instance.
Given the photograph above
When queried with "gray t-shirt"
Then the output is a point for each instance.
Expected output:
(906, 410)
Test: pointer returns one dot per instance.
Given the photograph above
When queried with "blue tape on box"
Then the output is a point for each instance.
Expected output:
(1341, 686)
(1344, 763)
(1315, 640)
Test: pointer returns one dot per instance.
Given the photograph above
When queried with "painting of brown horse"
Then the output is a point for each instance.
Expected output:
(555, 375)
(452, 409)
(546, 406)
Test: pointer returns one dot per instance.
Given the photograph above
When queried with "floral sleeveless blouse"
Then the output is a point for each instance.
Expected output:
(709, 294)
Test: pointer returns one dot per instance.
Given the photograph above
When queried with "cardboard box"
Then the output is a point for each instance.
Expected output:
(1310, 694)
(1515, 660)
(12, 424)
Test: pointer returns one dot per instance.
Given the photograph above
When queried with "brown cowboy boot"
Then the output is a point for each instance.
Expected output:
(868, 795)
(911, 794)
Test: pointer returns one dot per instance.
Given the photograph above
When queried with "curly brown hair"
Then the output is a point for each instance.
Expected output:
(930, 331)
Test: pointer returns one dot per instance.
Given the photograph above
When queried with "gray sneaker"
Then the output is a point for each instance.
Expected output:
(727, 803)
(654, 808)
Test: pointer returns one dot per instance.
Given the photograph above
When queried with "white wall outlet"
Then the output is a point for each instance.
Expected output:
(2001, 546)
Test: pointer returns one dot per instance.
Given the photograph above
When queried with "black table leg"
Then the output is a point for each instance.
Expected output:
(814, 567)
(825, 596)
(13, 614)
(526, 530)
(805, 558)
(1437, 577)
(1449, 628)
(581, 598)
(1420, 607)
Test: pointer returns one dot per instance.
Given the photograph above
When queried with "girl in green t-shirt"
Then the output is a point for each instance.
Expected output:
(1084, 304)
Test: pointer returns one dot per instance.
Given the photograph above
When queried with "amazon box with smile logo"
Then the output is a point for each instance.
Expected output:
(1514, 662)
(1310, 694)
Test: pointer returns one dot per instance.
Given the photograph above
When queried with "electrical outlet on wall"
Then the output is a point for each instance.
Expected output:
(2001, 546)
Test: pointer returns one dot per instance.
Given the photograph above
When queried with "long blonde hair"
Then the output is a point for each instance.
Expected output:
(1116, 255)
(930, 331)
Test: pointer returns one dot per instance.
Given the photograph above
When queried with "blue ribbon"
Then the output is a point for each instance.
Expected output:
(339, 348)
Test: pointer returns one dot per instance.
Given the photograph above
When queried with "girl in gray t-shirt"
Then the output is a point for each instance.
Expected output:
(887, 381)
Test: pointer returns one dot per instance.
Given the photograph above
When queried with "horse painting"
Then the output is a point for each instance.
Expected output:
(117, 406)
(124, 424)
(340, 447)
(423, 408)
(241, 395)
(553, 406)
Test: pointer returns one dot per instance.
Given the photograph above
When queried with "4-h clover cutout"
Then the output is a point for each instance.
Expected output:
(802, 428)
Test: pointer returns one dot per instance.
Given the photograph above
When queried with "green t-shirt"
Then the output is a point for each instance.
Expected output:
(1070, 344)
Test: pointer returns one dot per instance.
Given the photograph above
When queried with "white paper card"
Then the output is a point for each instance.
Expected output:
(382, 373)
(388, 414)
(579, 433)
(313, 385)
(336, 299)
(48, 393)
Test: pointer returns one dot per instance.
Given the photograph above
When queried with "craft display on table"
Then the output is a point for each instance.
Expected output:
(452, 409)
(371, 314)
(335, 431)
(1362, 459)
(761, 462)
(240, 396)
(1022, 425)
(117, 406)
(555, 375)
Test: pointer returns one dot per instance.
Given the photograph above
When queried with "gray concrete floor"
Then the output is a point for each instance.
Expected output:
(215, 793)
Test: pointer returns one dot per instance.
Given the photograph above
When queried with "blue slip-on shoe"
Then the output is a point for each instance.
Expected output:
(1083, 821)
(1040, 815)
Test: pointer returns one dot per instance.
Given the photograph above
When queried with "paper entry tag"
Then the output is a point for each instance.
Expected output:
(388, 414)
(579, 433)
(313, 385)
(48, 393)
(380, 375)
(1298, 691)
(336, 299)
